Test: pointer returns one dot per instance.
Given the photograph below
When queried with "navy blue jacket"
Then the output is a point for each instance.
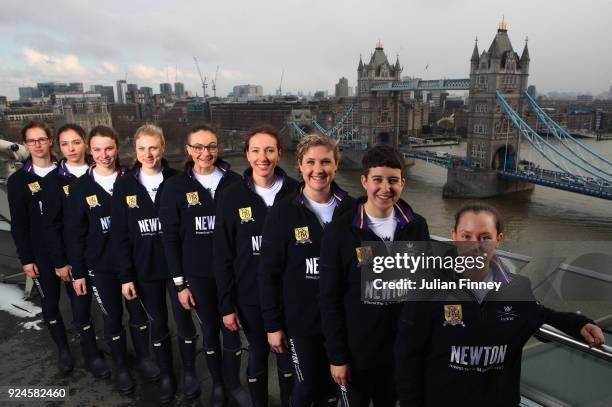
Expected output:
(56, 188)
(24, 189)
(187, 215)
(357, 332)
(238, 229)
(456, 350)
(87, 224)
(136, 230)
(288, 269)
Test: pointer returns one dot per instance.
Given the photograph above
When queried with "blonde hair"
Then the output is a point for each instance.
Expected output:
(150, 130)
(313, 140)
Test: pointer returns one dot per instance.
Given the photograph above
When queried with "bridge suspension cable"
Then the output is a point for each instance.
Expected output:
(554, 128)
(537, 142)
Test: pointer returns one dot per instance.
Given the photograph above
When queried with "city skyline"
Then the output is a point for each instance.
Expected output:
(70, 43)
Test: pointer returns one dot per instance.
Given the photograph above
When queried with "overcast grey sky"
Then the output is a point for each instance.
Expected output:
(315, 41)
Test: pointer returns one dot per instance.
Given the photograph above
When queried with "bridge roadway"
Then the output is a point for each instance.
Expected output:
(544, 177)
(428, 85)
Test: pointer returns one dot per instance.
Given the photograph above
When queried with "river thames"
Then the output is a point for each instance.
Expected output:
(544, 214)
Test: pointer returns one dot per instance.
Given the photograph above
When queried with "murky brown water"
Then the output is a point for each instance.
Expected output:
(543, 214)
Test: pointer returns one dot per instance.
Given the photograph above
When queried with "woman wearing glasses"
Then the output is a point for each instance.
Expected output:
(188, 211)
(25, 204)
(56, 188)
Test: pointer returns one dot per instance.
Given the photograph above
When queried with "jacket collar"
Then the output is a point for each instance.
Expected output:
(135, 170)
(28, 165)
(248, 176)
(338, 194)
(222, 165)
(90, 174)
(403, 214)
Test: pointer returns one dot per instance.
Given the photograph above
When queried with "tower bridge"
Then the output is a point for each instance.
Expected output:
(384, 110)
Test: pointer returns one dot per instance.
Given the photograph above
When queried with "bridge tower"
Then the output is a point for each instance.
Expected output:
(379, 111)
(492, 144)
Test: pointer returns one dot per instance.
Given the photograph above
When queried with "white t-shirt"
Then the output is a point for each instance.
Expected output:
(383, 227)
(210, 181)
(42, 171)
(324, 211)
(78, 170)
(107, 182)
(151, 183)
(268, 194)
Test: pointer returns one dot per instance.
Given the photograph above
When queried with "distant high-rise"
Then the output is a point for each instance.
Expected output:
(121, 91)
(342, 88)
(105, 91)
(179, 90)
(166, 90)
(146, 91)
(585, 99)
(28, 92)
(131, 87)
(47, 89)
(531, 91)
(248, 91)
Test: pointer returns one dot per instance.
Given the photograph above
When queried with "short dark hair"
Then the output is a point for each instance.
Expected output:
(382, 156)
(265, 129)
(35, 124)
(477, 207)
(71, 126)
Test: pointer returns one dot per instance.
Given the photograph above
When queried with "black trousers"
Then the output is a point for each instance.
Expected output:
(373, 385)
(259, 349)
(313, 382)
(204, 291)
(49, 286)
(106, 289)
(152, 293)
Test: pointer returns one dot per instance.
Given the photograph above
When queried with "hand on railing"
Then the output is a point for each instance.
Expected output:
(592, 335)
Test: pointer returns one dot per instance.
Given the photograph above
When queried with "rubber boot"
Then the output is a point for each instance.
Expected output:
(231, 370)
(213, 361)
(191, 383)
(285, 385)
(65, 362)
(122, 377)
(167, 384)
(258, 387)
(140, 339)
(93, 357)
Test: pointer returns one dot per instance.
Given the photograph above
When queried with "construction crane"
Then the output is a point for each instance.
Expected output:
(202, 78)
(214, 82)
(280, 86)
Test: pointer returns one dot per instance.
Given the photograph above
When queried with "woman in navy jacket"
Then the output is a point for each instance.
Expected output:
(136, 241)
(359, 330)
(288, 272)
(242, 211)
(25, 203)
(55, 190)
(90, 255)
(188, 211)
(465, 348)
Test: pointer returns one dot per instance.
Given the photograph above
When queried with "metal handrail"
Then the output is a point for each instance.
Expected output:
(549, 333)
